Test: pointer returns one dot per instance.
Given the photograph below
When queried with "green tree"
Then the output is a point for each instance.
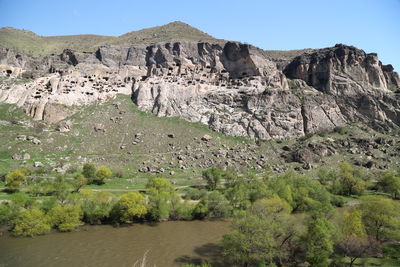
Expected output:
(381, 217)
(31, 222)
(212, 176)
(14, 180)
(238, 195)
(351, 224)
(89, 171)
(389, 183)
(301, 192)
(6, 214)
(354, 242)
(78, 182)
(263, 235)
(216, 204)
(65, 218)
(349, 183)
(319, 240)
(162, 198)
(61, 189)
(130, 207)
(96, 207)
(102, 174)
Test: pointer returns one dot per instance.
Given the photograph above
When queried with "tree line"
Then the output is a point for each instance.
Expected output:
(277, 220)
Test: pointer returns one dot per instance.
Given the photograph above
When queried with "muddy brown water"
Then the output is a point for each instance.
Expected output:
(167, 243)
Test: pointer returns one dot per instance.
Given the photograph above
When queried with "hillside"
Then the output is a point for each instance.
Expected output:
(31, 43)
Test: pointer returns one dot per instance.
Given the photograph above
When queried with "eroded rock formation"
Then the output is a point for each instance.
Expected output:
(234, 88)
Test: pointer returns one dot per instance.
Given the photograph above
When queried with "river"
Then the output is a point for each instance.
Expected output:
(167, 244)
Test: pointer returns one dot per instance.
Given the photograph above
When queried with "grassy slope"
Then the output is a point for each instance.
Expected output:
(29, 42)
(82, 143)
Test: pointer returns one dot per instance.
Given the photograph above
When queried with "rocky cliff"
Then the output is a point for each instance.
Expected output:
(235, 88)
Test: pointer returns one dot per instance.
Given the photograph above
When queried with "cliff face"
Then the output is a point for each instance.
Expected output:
(234, 88)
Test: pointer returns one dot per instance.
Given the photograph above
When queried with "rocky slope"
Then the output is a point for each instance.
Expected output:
(235, 88)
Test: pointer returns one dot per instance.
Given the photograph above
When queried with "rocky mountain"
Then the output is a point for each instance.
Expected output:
(234, 88)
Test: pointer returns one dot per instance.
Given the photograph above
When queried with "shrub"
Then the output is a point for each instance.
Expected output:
(31, 222)
(96, 207)
(130, 207)
(14, 180)
(102, 174)
(194, 194)
(89, 171)
(212, 176)
(340, 130)
(65, 218)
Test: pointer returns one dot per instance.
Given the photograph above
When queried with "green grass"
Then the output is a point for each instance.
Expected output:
(29, 42)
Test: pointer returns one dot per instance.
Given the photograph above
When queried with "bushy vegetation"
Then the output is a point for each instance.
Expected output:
(277, 220)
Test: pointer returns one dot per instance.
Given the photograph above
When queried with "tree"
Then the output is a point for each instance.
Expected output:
(102, 174)
(319, 240)
(264, 234)
(65, 218)
(31, 222)
(381, 217)
(89, 171)
(14, 180)
(238, 195)
(357, 247)
(349, 183)
(390, 183)
(354, 242)
(299, 191)
(352, 224)
(61, 189)
(96, 207)
(212, 176)
(216, 204)
(162, 198)
(130, 207)
(79, 182)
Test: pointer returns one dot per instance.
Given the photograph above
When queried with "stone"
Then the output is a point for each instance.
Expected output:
(36, 141)
(206, 138)
(16, 156)
(64, 126)
(305, 156)
(21, 137)
(26, 156)
(37, 164)
(98, 127)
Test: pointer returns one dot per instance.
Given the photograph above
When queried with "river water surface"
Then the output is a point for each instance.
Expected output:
(167, 243)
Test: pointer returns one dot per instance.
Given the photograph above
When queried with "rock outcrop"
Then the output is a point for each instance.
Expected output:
(235, 88)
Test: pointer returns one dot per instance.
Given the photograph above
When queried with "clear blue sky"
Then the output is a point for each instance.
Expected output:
(372, 25)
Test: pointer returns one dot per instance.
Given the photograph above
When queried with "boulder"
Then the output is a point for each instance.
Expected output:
(206, 138)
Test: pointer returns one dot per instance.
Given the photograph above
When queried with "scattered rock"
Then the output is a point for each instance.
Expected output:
(37, 164)
(206, 138)
(16, 157)
(64, 126)
(21, 137)
(36, 141)
(305, 156)
(98, 127)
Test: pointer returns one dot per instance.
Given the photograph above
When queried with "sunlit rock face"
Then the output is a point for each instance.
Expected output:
(234, 88)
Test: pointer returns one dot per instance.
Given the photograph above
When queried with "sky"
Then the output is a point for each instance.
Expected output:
(371, 25)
